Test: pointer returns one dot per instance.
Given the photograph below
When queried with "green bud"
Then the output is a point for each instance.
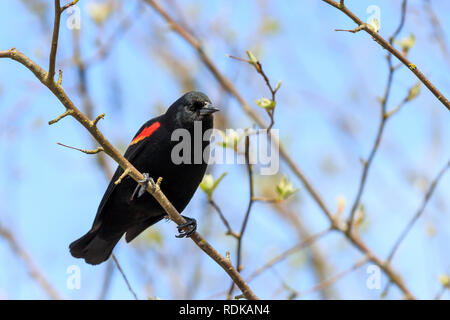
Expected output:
(285, 189)
(278, 86)
(208, 185)
(252, 58)
(230, 139)
(265, 103)
(413, 92)
(374, 24)
(406, 43)
(445, 280)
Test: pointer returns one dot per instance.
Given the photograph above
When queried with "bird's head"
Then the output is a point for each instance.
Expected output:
(192, 106)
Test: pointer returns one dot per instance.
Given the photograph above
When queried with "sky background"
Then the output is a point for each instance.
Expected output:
(327, 113)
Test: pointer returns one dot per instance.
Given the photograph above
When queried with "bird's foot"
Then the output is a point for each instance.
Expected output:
(140, 190)
(191, 224)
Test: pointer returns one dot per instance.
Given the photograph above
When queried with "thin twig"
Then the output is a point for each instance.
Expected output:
(124, 277)
(224, 220)
(55, 36)
(122, 176)
(247, 213)
(416, 216)
(97, 119)
(107, 280)
(95, 151)
(65, 114)
(383, 119)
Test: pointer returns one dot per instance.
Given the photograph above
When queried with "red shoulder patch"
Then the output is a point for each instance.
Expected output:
(147, 132)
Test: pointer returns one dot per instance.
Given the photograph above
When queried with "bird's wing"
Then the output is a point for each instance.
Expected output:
(136, 146)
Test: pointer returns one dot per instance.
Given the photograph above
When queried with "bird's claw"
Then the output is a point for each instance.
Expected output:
(141, 189)
(191, 223)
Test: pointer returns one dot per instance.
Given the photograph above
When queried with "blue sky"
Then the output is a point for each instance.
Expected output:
(327, 113)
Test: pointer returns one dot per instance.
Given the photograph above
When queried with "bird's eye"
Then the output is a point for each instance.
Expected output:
(197, 105)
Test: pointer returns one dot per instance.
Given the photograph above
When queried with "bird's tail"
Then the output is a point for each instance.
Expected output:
(92, 248)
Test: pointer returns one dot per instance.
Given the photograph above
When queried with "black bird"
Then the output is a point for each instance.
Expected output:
(125, 207)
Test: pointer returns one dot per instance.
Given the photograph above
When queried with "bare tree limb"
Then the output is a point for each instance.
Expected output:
(54, 47)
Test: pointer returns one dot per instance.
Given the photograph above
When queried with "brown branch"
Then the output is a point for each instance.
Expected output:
(55, 37)
(389, 47)
(65, 114)
(228, 86)
(100, 116)
(33, 270)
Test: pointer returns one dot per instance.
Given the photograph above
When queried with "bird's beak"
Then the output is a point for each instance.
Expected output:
(207, 110)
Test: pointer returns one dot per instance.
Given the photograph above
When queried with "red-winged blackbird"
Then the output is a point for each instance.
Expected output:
(123, 209)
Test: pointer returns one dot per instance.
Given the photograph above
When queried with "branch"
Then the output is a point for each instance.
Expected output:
(54, 48)
(65, 114)
(95, 151)
(389, 47)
